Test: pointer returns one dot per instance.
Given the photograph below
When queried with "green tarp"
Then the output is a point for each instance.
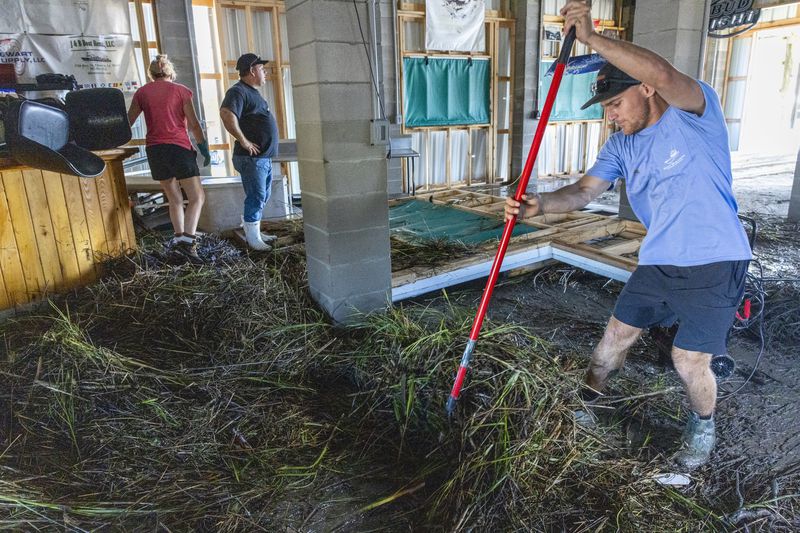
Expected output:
(421, 220)
(445, 91)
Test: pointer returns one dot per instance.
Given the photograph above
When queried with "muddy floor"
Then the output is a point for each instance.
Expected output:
(757, 457)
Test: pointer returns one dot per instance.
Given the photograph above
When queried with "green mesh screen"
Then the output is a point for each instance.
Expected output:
(446, 92)
(417, 219)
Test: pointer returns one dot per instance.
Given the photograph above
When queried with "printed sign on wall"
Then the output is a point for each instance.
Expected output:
(89, 39)
(455, 25)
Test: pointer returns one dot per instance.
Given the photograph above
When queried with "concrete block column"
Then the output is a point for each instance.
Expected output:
(343, 177)
(526, 83)
(176, 28)
(672, 29)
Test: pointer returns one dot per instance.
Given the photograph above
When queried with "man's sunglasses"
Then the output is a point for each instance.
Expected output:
(602, 86)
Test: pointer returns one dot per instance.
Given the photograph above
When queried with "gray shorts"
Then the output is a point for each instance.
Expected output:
(702, 299)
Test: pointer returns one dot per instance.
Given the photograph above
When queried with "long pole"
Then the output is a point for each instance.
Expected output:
(563, 57)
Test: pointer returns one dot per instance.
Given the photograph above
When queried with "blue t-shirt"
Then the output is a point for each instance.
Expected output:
(678, 178)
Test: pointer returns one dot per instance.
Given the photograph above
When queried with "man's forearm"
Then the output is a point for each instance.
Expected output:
(564, 200)
(640, 63)
(231, 124)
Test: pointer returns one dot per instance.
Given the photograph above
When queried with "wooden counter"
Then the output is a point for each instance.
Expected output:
(56, 228)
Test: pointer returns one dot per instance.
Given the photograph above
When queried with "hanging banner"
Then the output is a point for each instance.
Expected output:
(11, 20)
(75, 17)
(89, 39)
(94, 60)
(455, 25)
(575, 89)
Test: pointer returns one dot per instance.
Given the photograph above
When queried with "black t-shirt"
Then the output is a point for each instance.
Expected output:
(255, 119)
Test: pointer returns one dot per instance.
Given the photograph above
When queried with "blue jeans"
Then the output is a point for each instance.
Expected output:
(256, 175)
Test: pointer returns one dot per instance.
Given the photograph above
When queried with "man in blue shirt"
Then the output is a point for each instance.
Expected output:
(673, 152)
(246, 116)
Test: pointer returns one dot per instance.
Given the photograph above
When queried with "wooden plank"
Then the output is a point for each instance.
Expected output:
(81, 237)
(43, 229)
(635, 227)
(590, 253)
(24, 236)
(94, 217)
(595, 230)
(14, 288)
(280, 105)
(108, 212)
(624, 247)
(122, 203)
(493, 209)
(405, 276)
(114, 224)
(5, 299)
(62, 230)
(543, 234)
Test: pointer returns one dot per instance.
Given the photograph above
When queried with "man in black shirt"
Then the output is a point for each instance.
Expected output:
(246, 116)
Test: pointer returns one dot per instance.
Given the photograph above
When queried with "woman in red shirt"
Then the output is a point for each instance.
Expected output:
(168, 110)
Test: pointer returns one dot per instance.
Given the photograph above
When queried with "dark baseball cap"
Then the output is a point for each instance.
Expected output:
(248, 60)
(610, 82)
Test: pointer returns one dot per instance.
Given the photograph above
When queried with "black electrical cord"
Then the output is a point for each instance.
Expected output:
(369, 62)
(758, 295)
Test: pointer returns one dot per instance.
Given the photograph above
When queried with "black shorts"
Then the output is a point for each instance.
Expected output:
(702, 299)
(169, 161)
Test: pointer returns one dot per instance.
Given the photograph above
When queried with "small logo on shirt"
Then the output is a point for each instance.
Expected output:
(674, 158)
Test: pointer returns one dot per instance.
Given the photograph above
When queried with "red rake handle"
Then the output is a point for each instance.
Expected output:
(563, 57)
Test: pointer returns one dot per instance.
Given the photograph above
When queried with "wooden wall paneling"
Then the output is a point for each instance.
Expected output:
(5, 298)
(448, 158)
(23, 233)
(94, 216)
(108, 211)
(73, 197)
(280, 103)
(43, 229)
(122, 204)
(14, 289)
(62, 229)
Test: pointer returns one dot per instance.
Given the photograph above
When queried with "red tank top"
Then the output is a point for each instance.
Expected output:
(162, 104)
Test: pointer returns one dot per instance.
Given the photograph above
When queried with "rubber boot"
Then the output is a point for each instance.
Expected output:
(696, 443)
(252, 233)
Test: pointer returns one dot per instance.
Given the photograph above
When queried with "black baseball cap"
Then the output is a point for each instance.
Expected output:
(248, 60)
(610, 82)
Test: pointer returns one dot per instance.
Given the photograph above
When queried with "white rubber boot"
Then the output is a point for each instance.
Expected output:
(252, 233)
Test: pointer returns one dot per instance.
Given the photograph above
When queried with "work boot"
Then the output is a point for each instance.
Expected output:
(189, 250)
(252, 234)
(696, 443)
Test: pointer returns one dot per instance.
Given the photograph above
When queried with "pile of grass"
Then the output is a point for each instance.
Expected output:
(219, 398)
(782, 314)
(428, 253)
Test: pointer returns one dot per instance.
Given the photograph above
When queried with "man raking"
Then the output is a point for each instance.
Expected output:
(673, 152)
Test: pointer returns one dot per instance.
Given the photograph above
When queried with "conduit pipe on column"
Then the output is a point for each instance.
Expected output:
(701, 65)
(373, 37)
(398, 118)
